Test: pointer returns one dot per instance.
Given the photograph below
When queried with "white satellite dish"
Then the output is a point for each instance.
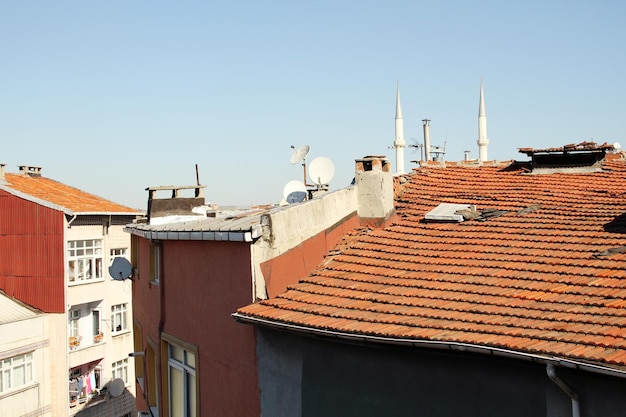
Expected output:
(321, 170)
(294, 192)
(617, 146)
(116, 387)
(120, 269)
(300, 154)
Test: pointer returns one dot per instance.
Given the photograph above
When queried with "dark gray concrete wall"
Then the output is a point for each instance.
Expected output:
(314, 377)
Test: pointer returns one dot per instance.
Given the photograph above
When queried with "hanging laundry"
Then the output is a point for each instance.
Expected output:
(92, 380)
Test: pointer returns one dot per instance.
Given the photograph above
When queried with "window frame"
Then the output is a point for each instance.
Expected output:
(83, 257)
(155, 261)
(120, 310)
(8, 369)
(74, 322)
(120, 366)
(189, 393)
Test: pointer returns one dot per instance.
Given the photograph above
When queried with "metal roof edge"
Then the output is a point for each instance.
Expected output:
(36, 200)
(455, 346)
(108, 213)
(231, 236)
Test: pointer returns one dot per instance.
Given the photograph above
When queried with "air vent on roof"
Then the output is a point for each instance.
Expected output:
(446, 212)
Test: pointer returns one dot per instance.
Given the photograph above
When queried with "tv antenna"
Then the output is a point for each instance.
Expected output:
(321, 172)
(116, 387)
(294, 192)
(300, 155)
(438, 152)
(120, 269)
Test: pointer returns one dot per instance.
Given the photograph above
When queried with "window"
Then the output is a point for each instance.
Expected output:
(118, 318)
(74, 318)
(120, 370)
(16, 371)
(181, 381)
(152, 393)
(155, 261)
(84, 260)
(117, 253)
(138, 344)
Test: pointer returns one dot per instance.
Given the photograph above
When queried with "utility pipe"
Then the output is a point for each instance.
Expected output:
(551, 371)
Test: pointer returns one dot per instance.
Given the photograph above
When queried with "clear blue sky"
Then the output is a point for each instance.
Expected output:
(115, 96)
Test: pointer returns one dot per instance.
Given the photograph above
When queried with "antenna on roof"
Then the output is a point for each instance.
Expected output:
(438, 152)
(321, 171)
(197, 192)
(120, 269)
(294, 192)
(300, 155)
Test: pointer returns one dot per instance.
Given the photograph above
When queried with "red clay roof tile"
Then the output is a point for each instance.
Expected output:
(547, 277)
(63, 195)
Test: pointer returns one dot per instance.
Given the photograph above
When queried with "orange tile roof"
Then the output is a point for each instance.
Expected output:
(548, 277)
(63, 195)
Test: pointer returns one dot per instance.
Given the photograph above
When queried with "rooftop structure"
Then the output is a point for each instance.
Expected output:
(536, 269)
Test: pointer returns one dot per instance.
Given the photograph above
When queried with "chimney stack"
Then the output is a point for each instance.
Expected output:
(178, 205)
(2, 172)
(374, 183)
(426, 139)
(30, 171)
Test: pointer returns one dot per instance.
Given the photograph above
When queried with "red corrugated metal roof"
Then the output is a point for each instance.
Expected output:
(547, 276)
(63, 195)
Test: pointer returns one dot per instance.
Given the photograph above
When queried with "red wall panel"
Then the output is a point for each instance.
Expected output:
(31, 253)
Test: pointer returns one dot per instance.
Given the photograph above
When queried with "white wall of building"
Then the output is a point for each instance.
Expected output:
(97, 297)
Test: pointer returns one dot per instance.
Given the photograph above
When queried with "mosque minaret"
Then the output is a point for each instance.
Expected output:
(399, 143)
(482, 127)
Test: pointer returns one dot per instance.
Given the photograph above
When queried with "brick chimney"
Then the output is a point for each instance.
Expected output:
(31, 171)
(374, 183)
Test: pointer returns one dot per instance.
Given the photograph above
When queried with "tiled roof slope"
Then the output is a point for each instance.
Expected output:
(63, 195)
(546, 278)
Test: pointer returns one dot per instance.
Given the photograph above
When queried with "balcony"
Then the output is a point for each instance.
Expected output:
(86, 349)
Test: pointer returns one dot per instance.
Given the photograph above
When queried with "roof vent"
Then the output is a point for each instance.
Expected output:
(447, 212)
(2, 172)
(585, 156)
(31, 171)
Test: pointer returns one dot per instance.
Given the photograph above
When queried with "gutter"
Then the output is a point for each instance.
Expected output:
(434, 344)
(558, 381)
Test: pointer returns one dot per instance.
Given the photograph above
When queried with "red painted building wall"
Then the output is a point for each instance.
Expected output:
(31, 253)
(201, 285)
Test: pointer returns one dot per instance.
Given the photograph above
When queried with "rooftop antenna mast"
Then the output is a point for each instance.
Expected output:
(300, 155)
(197, 192)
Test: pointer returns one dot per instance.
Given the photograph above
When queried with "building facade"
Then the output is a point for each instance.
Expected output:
(192, 269)
(60, 242)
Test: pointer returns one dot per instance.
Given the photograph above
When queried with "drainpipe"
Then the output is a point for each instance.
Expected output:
(558, 381)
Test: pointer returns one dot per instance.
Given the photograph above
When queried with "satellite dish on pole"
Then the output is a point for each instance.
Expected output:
(294, 192)
(120, 269)
(300, 154)
(116, 387)
(321, 170)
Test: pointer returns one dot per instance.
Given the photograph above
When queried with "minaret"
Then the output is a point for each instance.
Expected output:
(482, 127)
(399, 143)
